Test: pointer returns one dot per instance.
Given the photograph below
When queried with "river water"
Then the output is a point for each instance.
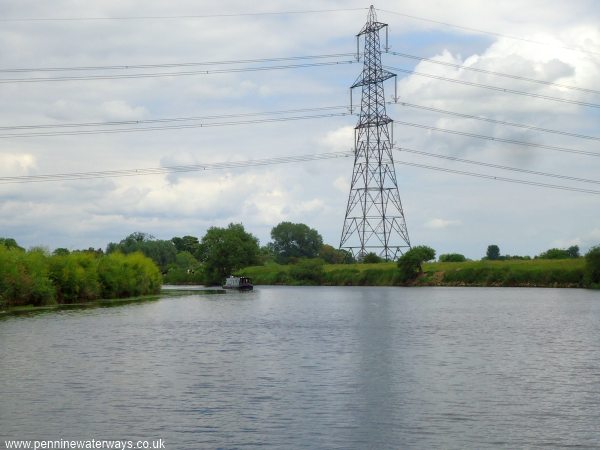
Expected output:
(312, 367)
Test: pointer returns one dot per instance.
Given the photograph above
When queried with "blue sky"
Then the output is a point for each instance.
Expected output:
(448, 212)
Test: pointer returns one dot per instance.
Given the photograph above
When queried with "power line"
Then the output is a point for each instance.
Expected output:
(491, 72)
(170, 74)
(497, 166)
(177, 17)
(169, 65)
(171, 119)
(495, 88)
(493, 177)
(172, 127)
(500, 122)
(266, 113)
(70, 176)
(492, 138)
(491, 33)
(73, 176)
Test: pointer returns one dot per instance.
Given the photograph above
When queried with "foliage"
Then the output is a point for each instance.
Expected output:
(331, 255)
(493, 252)
(542, 273)
(557, 253)
(225, 250)
(307, 271)
(24, 278)
(10, 243)
(128, 275)
(37, 278)
(189, 244)
(410, 264)
(75, 277)
(185, 270)
(163, 253)
(452, 257)
(372, 258)
(592, 268)
(295, 240)
(547, 273)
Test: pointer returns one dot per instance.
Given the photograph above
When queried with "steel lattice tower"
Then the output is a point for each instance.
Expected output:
(374, 219)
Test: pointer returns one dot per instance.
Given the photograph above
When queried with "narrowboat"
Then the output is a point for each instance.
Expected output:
(238, 283)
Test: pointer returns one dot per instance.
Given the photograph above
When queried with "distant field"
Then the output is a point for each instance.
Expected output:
(537, 272)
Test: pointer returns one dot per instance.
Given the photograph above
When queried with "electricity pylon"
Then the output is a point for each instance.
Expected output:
(374, 219)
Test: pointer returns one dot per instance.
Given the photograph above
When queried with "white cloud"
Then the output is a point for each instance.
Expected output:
(12, 164)
(439, 224)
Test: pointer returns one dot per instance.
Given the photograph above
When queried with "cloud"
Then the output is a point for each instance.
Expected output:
(12, 164)
(439, 224)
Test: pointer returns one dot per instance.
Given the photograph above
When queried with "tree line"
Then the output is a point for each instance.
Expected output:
(139, 263)
(36, 277)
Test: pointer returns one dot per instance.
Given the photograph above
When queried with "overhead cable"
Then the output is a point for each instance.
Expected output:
(171, 127)
(72, 176)
(265, 113)
(491, 33)
(495, 88)
(496, 139)
(496, 178)
(496, 166)
(491, 72)
(500, 122)
(169, 119)
(170, 74)
(69, 176)
(169, 65)
(177, 17)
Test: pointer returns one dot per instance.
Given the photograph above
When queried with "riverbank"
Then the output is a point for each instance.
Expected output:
(107, 303)
(567, 273)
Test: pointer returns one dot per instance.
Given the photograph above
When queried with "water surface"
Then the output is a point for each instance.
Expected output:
(323, 367)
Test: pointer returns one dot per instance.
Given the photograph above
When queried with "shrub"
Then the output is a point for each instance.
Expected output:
(452, 257)
(410, 264)
(371, 258)
(75, 276)
(309, 271)
(592, 268)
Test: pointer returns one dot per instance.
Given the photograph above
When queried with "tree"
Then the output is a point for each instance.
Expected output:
(162, 252)
(295, 240)
(452, 257)
(372, 258)
(189, 244)
(573, 251)
(331, 255)
(10, 243)
(225, 250)
(410, 264)
(592, 268)
(493, 252)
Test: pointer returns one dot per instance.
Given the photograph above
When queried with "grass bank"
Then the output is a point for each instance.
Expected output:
(104, 303)
(515, 273)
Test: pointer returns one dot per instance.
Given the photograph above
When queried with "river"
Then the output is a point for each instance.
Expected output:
(312, 367)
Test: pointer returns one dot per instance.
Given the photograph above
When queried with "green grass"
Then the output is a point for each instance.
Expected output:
(537, 272)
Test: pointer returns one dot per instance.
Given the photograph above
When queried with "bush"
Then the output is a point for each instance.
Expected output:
(128, 275)
(452, 257)
(308, 271)
(592, 268)
(410, 264)
(371, 258)
(24, 278)
(75, 276)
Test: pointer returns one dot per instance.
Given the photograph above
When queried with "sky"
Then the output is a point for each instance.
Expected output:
(559, 42)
